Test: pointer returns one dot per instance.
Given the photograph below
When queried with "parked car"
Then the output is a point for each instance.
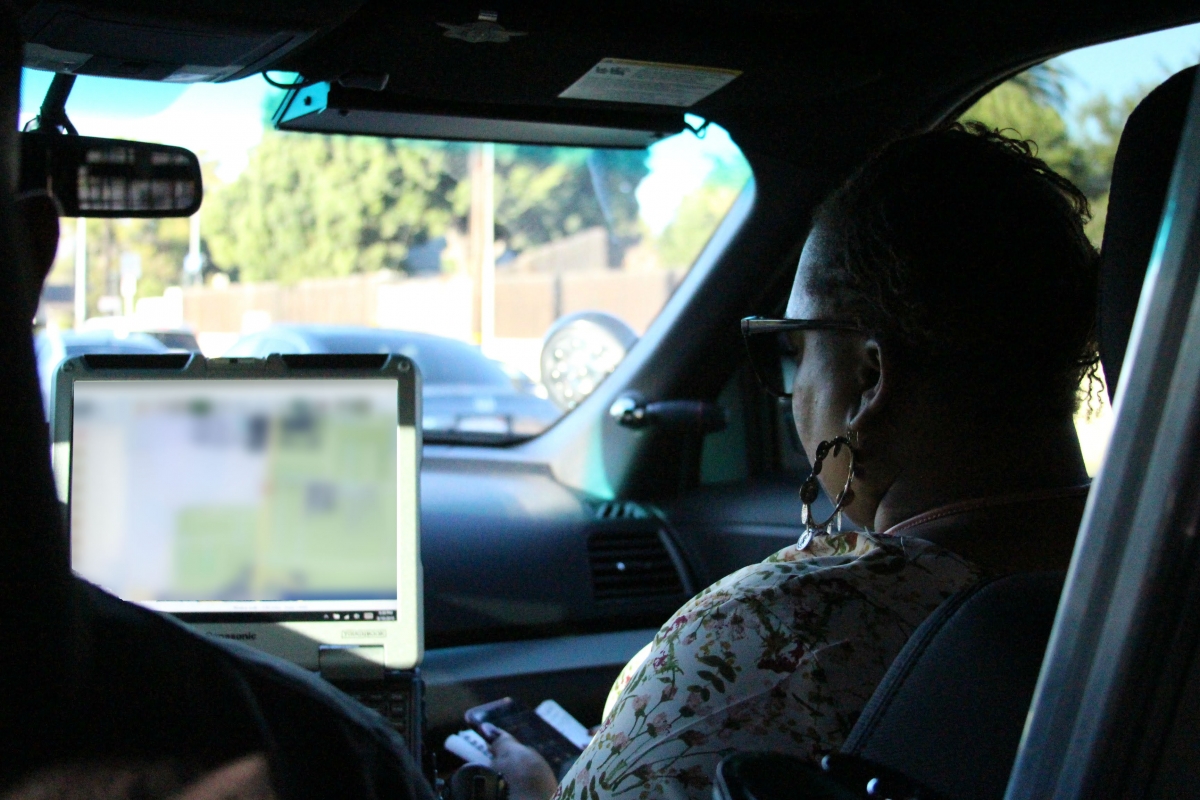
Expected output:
(467, 396)
(174, 338)
(53, 347)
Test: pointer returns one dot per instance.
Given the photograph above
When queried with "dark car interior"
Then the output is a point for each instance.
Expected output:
(548, 563)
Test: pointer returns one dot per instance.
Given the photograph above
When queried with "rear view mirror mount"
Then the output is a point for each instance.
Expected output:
(93, 177)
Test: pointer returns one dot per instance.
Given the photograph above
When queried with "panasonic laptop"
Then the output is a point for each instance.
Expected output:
(269, 501)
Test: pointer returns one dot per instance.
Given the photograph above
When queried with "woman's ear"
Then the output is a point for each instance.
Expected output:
(874, 377)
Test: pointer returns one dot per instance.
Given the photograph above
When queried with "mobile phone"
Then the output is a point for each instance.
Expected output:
(527, 728)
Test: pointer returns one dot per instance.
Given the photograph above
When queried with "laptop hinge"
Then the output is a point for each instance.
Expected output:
(351, 662)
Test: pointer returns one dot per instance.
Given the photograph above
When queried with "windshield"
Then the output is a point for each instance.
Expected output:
(520, 272)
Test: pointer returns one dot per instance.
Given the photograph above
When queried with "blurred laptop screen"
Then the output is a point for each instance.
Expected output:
(225, 495)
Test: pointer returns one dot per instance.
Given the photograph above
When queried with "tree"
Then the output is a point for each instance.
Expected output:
(1030, 106)
(1046, 83)
(1017, 109)
(311, 206)
(546, 193)
(701, 212)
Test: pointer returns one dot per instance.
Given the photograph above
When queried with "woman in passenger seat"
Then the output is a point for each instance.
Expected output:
(951, 294)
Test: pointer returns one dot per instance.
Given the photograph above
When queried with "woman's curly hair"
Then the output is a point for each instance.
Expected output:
(966, 254)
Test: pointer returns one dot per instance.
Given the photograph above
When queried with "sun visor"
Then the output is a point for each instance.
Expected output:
(332, 108)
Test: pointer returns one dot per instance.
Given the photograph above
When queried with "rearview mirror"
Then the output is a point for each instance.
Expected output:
(93, 177)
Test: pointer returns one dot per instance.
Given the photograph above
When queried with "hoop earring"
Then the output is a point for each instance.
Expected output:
(810, 490)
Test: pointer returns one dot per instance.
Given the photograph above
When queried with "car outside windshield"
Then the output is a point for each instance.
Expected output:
(377, 236)
(441, 361)
(467, 397)
(54, 347)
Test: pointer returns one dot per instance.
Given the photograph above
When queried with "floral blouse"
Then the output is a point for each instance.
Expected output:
(780, 655)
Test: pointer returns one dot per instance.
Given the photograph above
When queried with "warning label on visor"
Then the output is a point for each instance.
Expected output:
(620, 81)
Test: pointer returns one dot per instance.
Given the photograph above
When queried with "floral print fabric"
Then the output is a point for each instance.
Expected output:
(780, 655)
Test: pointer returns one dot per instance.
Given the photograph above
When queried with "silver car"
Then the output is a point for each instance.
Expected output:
(53, 347)
(467, 396)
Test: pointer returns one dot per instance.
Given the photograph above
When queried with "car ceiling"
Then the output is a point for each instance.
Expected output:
(813, 73)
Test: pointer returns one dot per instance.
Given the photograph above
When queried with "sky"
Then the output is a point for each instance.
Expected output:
(1117, 68)
(223, 122)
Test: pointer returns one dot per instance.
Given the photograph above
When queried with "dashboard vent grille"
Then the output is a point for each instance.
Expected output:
(621, 509)
(632, 564)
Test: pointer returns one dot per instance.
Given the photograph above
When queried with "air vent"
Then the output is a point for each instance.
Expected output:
(621, 509)
(632, 564)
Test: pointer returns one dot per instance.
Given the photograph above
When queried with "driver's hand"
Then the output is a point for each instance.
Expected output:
(528, 775)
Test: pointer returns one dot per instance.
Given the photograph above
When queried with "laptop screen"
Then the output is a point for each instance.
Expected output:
(267, 500)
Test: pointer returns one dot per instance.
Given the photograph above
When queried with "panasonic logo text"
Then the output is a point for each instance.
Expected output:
(372, 634)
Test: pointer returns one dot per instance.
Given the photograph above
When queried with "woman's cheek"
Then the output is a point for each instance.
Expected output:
(804, 414)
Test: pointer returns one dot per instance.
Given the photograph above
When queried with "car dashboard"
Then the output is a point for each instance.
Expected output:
(534, 590)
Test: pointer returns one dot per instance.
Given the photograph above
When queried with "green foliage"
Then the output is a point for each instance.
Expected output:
(332, 205)
(1029, 106)
(543, 194)
(162, 244)
(731, 173)
(694, 223)
(310, 205)
(1046, 83)
(1017, 110)
(701, 212)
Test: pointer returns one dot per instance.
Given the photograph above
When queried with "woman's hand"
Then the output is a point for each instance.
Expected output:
(528, 775)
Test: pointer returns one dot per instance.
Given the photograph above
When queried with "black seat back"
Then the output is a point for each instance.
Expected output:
(950, 710)
(945, 721)
(1141, 174)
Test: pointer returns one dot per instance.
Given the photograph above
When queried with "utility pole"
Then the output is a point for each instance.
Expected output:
(80, 272)
(131, 271)
(193, 262)
(482, 232)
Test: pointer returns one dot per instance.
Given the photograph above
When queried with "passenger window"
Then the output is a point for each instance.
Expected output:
(1074, 108)
(549, 260)
(724, 456)
(760, 438)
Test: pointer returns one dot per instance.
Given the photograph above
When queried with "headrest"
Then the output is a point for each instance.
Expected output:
(1140, 178)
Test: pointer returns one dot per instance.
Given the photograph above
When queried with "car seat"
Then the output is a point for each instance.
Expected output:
(947, 718)
(1141, 175)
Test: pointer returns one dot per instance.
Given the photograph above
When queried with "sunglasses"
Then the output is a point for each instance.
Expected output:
(773, 348)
